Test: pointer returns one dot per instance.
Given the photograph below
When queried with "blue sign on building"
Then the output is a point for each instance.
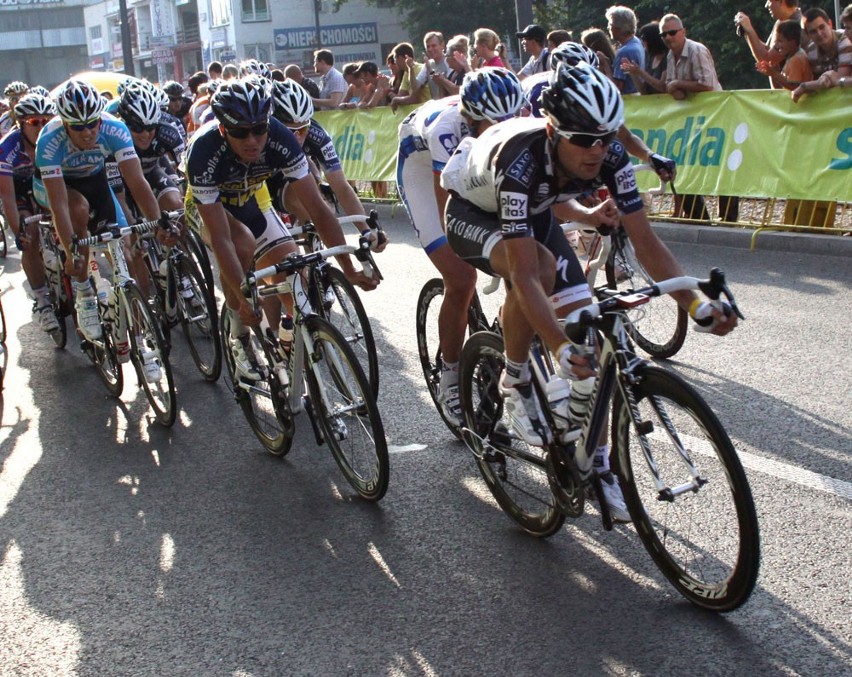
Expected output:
(331, 36)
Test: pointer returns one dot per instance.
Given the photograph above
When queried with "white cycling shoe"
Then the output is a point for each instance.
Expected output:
(614, 498)
(520, 403)
(46, 318)
(448, 400)
(88, 318)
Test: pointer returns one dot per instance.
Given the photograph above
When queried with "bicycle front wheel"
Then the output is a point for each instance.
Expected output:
(104, 355)
(428, 346)
(515, 473)
(346, 410)
(263, 402)
(197, 312)
(346, 312)
(149, 356)
(659, 327)
(701, 531)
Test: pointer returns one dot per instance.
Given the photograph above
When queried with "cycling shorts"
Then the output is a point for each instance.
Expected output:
(24, 195)
(473, 233)
(415, 179)
(161, 181)
(103, 207)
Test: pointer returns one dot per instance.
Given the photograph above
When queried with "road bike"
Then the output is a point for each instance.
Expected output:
(59, 286)
(128, 324)
(339, 301)
(183, 298)
(319, 374)
(682, 480)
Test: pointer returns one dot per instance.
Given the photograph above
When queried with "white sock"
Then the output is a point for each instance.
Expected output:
(449, 374)
(515, 372)
(40, 296)
(601, 462)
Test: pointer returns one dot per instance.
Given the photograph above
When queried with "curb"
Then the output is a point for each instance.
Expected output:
(767, 240)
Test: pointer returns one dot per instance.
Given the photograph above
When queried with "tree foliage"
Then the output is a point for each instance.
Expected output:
(710, 22)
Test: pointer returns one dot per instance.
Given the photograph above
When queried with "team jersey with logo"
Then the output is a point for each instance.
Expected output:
(214, 173)
(510, 171)
(14, 160)
(167, 141)
(56, 156)
(320, 148)
(436, 126)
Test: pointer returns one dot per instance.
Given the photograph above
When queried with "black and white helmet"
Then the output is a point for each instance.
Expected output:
(35, 104)
(139, 105)
(16, 88)
(255, 67)
(293, 104)
(173, 89)
(493, 94)
(242, 102)
(78, 102)
(582, 100)
(213, 85)
(38, 89)
(572, 53)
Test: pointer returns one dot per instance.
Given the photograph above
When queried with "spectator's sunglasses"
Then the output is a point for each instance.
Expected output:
(83, 126)
(588, 140)
(671, 33)
(138, 128)
(243, 132)
(36, 122)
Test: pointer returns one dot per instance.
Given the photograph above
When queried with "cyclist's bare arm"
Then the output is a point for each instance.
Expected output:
(346, 195)
(10, 206)
(218, 230)
(330, 232)
(131, 172)
(441, 196)
(661, 264)
(603, 214)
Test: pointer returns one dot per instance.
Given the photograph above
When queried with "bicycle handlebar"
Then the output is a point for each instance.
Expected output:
(116, 232)
(35, 218)
(293, 263)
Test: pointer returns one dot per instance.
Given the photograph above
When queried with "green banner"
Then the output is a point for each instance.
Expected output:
(755, 143)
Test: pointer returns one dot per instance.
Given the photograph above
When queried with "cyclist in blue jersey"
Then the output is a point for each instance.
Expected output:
(227, 164)
(71, 181)
(294, 107)
(17, 153)
(427, 139)
(503, 186)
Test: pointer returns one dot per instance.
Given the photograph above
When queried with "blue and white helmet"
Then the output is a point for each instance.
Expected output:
(492, 94)
(242, 102)
(572, 53)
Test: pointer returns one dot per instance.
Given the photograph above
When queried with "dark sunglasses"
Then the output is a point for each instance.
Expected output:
(86, 125)
(670, 33)
(589, 140)
(136, 127)
(37, 122)
(243, 132)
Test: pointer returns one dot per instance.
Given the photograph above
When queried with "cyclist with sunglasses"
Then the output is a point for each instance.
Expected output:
(502, 187)
(227, 164)
(17, 153)
(14, 92)
(71, 180)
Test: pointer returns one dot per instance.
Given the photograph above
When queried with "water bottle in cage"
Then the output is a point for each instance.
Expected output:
(285, 332)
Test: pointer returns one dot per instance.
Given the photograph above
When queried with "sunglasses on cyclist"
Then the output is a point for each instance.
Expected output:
(588, 140)
(85, 125)
(36, 122)
(671, 33)
(136, 127)
(243, 132)
(300, 128)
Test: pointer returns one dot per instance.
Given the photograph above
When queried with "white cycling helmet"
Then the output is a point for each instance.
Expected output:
(139, 105)
(38, 89)
(78, 102)
(572, 53)
(16, 88)
(493, 94)
(35, 104)
(582, 100)
(255, 67)
(293, 104)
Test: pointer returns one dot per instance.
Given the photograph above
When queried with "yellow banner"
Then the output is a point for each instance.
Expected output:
(754, 143)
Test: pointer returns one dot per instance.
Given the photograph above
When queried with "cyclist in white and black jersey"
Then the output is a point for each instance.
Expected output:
(502, 187)
(294, 108)
(427, 139)
(14, 92)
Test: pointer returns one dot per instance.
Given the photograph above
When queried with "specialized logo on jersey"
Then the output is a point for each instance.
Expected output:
(513, 206)
(449, 141)
(522, 168)
(625, 180)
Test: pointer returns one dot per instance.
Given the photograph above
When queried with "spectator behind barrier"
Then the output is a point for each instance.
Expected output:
(332, 85)
(622, 28)
(598, 41)
(830, 53)
(781, 10)
(409, 69)
(787, 65)
(655, 59)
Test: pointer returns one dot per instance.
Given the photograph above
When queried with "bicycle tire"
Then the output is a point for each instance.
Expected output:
(199, 321)
(60, 335)
(659, 328)
(4, 245)
(62, 308)
(144, 333)
(256, 403)
(515, 473)
(706, 543)
(196, 248)
(2, 324)
(348, 315)
(105, 358)
(346, 410)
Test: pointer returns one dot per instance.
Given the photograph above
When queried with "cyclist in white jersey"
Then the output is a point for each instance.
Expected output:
(427, 139)
(502, 187)
(71, 181)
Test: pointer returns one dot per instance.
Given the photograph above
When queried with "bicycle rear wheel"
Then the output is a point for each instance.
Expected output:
(105, 358)
(147, 347)
(263, 402)
(2, 324)
(514, 472)
(659, 328)
(197, 312)
(346, 410)
(347, 313)
(706, 540)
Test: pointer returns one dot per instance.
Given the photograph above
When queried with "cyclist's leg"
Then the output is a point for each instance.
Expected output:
(273, 244)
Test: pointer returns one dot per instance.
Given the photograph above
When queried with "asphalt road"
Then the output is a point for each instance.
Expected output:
(127, 549)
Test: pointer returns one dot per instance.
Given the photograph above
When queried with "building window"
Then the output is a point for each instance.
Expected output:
(220, 12)
(262, 52)
(95, 32)
(255, 10)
